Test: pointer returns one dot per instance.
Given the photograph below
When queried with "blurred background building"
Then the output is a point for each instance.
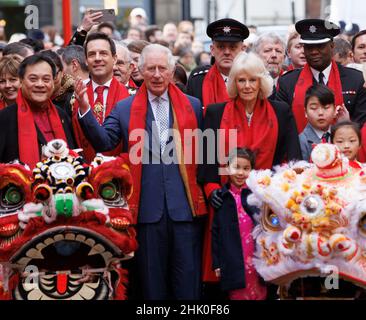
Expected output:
(262, 13)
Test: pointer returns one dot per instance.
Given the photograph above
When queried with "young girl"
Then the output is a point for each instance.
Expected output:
(346, 135)
(232, 242)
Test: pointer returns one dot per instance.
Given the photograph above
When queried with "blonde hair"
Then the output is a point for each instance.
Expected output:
(9, 65)
(253, 65)
(293, 36)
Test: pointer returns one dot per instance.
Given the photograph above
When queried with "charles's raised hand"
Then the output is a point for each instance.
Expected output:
(81, 96)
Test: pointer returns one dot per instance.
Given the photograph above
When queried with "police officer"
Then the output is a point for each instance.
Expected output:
(347, 84)
(207, 83)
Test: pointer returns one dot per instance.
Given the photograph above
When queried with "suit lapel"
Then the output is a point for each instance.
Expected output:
(311, 136)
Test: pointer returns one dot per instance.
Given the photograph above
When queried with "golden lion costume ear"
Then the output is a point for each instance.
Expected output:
(15, 187)
(111, 175)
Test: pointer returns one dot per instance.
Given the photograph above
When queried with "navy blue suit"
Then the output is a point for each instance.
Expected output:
(169, 237)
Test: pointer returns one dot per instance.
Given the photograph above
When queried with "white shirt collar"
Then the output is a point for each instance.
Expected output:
(226, 78)
(95, 85)
(320, 133)
(326, 73)
(151, 96)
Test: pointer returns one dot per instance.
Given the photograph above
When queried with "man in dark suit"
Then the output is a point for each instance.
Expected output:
(208, 83)
(34, 120)
(167, 200)
(346, 83)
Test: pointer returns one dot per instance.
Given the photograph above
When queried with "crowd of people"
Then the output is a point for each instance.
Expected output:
(193, 223)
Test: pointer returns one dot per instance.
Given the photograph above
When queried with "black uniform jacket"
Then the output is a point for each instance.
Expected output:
(354, 94)
(9, 150)
(195, 81)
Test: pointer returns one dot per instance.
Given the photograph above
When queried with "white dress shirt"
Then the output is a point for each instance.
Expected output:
(226, 79)
(105, 95)
(326, 73)
(105, 92)
(320, 133)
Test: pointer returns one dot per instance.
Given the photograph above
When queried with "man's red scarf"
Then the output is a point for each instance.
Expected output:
(303, 83)
(2, 104)
(214, 89)
(132, 84)
(116, 93)
(184, 118)
(27, 133)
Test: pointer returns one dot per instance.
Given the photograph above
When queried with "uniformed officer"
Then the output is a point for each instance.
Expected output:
(207, 83)
(347, 84)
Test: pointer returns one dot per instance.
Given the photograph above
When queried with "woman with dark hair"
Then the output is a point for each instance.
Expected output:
(180, 77)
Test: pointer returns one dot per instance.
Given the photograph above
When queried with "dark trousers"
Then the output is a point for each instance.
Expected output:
(169, 259)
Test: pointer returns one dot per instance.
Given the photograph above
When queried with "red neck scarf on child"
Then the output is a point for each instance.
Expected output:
(184, 118)
(303, 83)
(27, 133)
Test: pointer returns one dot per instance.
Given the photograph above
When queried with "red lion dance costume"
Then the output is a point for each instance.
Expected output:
(65, 228)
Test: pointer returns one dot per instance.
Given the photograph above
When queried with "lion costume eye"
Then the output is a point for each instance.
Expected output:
(12, 198)
(108, 191)
(111, 193)
(362, 224)
(270, 220)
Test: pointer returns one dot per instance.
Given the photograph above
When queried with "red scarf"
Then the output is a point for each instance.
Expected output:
(2, 104)
(282, 72)
(184, 118)
(27, 133)
(116, 93)
(132, 84)
(260, 137)
(214, 89)
(303, 83)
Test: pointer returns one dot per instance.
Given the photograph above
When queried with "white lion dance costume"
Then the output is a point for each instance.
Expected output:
(313, 219)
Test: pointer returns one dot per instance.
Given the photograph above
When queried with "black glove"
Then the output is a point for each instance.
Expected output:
(216, 199)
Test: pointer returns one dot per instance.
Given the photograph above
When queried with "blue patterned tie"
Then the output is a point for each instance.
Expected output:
(162, 119)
